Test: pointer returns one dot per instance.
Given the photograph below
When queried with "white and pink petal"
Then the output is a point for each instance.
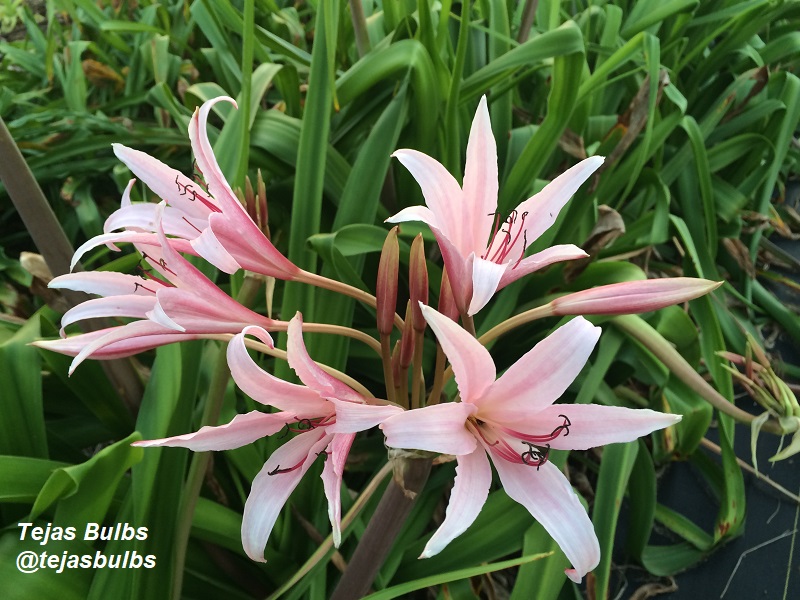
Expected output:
(274, 484)
(338, 449)
(438, 428)
(268, 389)
(550, 499)
(473, 366)
(242, 430)
(470, 490)
(540, 376)
(591, 425)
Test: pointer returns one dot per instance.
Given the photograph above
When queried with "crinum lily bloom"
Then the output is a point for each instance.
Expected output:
(514, 421)
(208, 222)
(173, 300)
(325, 411)
(465, 220)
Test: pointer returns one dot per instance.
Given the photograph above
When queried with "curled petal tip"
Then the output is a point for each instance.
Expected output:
(573, 575)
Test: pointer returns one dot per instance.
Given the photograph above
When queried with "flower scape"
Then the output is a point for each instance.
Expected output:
(512, 421)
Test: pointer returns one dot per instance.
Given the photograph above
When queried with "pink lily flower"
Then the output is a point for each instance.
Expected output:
(513, 420)
(482, 253)
(326, 413)
(208, 222)
(174, 301)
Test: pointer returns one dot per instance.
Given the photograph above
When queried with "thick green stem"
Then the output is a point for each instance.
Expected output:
(343, 288)
(526, 317)
(383, 528)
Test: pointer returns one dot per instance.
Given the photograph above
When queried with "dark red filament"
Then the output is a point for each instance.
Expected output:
(186, 188)
(511, 237)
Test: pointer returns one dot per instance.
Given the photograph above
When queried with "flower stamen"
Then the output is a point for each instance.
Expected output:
(538, 455)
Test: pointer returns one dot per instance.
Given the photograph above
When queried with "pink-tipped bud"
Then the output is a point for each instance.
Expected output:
(632, 296)
(407, 341)
(447, 302)
(418, 281)
(386, 290)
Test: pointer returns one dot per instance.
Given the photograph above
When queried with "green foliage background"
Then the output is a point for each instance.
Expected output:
(695, 104)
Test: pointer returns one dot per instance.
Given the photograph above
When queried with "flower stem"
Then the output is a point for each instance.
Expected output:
(383, 528)
(438, 377)
(345, 289)
(469, 324)
(517, 320)
(416, 375)
(388, 375)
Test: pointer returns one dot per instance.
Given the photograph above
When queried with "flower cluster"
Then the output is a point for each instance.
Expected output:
(510, 421)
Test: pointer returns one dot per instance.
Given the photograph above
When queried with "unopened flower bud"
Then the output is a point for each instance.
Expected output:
(386, 290)
(632, 296)
(418, 281)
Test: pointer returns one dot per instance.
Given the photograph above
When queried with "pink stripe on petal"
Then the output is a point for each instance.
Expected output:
(473, 366)
(149, 239)
(271, 489)
(633, 296)
(267, 389)
(543, 208)
(438, 428)
(470, 490)
(251, 249)
(541, 375)
(352, 417)
(102, 283)
(242, 430)
(209, 247)
(123, 334)
(143, 216)
(459, 270)
(540, 260)
(216, 183)
(549, 497)
(338, 450)
(167, 183)
(480, 181)
(118, 348)
(309, 372)
(115, 306)
(441, 191)
(200, 312)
